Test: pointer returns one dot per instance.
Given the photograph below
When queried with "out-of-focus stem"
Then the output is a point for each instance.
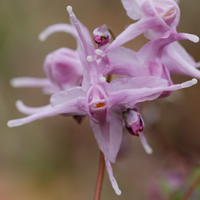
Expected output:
(99, 177)
(192, 188)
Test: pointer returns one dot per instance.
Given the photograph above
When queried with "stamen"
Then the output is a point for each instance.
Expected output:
(100, 52)
(102, 79)
(91, 58)
(100, 105)
(169, 13)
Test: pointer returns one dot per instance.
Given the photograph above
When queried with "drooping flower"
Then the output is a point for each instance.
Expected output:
(148, 61)
(62, 66)
(154, 18)
(134, 124)
(104, 103)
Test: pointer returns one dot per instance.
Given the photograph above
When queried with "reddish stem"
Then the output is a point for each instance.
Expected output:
(100, 176)
(192, 188)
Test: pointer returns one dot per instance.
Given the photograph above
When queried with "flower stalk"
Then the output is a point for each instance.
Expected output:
(191, 188)
(100, 176)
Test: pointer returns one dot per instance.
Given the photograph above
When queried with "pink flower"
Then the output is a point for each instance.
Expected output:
(154, 18)
(62, 67)
(103, 102)
(148, 61)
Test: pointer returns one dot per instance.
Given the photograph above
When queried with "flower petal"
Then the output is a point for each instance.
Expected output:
(101, 133)
(178, 61)
(67, 95)
(127, 98)
(67, 28)
(132, 8)
(137, 83)
(72, 107)
(30, 82)
(63, 68)
(131, 32)
(145, 144)
(30, 110)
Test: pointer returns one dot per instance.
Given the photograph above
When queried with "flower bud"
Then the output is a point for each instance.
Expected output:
(101, 35)
(133, 121)
(63, 68)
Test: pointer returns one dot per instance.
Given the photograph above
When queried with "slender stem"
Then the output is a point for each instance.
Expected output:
(99, 182)
(192, 188)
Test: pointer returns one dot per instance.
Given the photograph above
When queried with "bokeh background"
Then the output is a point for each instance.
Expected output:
(57, 159)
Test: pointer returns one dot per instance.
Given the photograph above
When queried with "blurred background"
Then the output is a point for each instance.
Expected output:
(57, 159)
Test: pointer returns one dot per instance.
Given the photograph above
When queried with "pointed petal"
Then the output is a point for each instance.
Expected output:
(30, 82)
(101, 133)
(116, 134)
(67, 95)
(127, 98)
(111, 176)
(67, 28)
(123, 62)
(30, 110)
(130, 33)
(145, 144)
(132, 8)
(73, 107)
(86, 53)
(137, 83)
(178, 61)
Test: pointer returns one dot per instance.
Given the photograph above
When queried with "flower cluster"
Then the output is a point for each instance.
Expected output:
(76, 78)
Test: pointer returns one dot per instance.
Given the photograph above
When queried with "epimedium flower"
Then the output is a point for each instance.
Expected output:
(149, 60)
(103, 102)
(155, 17)
(62, 66)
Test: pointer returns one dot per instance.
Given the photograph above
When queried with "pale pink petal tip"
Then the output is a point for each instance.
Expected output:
(42, 37)
(13, 123)
(69, 9)
(189, 83)
(148, 149)
(192, 37)
(115, 187)
(19, 104)
(15, 82)
(145, 144)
